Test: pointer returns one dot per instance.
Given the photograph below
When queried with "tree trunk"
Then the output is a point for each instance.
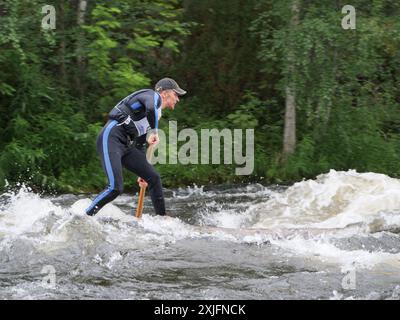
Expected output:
(289, 135)
(82, 9)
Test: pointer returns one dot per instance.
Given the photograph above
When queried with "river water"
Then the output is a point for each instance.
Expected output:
(334, 237)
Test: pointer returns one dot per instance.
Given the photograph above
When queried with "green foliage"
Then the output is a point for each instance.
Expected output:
(345, 84)
(234, 57)
(57, 85)
(124, 37)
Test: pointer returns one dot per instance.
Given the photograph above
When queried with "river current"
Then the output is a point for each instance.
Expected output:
(333, 237)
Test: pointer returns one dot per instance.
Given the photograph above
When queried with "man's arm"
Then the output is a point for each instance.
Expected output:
(151, 101)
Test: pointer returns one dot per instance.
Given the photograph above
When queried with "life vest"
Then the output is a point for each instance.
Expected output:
(138, 112)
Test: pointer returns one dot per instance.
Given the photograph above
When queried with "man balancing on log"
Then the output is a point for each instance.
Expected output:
(122, 142)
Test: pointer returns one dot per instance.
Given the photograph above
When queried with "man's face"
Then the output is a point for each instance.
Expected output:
(170, 99)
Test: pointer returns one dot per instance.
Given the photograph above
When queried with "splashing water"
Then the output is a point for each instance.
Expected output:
(240, 242)
(333, 200)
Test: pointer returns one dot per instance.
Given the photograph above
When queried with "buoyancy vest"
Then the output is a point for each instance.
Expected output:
(138, 112)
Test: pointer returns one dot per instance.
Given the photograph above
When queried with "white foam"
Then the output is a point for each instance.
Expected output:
(167, 226)
(333, 200)
(341, 203)
(108, 262)
(191, 191)
(224, 218)
(24, 212)
(327, 252)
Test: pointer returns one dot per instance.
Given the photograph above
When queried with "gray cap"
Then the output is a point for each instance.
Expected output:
(169, 84)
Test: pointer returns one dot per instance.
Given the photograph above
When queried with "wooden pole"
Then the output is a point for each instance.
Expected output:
(139, 208)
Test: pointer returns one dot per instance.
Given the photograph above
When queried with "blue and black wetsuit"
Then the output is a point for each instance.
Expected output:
(129, 121)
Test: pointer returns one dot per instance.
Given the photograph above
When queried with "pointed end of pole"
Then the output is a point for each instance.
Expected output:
(138, 215)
